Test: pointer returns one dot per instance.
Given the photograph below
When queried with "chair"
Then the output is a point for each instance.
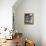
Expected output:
(18, 39)
(29, 43)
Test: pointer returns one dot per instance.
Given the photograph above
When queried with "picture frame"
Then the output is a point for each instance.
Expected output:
(29, 18)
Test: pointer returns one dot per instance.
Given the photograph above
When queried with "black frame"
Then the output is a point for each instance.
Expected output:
(28, 18)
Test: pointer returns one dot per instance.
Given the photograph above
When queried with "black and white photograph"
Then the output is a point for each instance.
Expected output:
(29, 18)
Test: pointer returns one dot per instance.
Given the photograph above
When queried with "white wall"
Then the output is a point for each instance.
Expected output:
(29, 31)
(43, 22)
(6, 13)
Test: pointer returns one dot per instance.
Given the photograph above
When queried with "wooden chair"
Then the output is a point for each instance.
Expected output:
(29, 43)
(18, 37)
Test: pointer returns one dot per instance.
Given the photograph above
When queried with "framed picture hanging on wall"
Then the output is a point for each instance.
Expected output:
(29, 18)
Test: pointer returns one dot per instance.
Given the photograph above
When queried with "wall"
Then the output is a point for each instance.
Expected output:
(29, 31)
(6, 13)
(43, 22)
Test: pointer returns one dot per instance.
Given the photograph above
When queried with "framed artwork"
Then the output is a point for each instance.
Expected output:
(29, 18)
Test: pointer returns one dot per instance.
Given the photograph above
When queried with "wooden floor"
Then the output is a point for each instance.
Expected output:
(9, 43)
